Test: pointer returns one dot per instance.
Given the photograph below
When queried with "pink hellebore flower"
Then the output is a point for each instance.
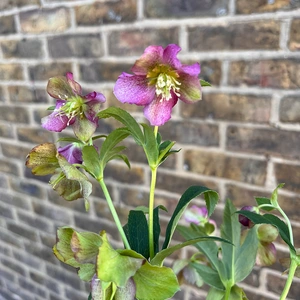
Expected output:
(72, 153)
(158, 82)
(72, 108)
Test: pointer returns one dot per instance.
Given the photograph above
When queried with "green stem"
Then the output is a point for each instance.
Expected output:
(227, 292)
(151, 210)
(292, 270)
(288, 224)
(114, 213)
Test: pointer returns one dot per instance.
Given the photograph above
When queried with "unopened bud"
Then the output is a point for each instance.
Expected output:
(244, 220)
(267, 233)
(266, 254)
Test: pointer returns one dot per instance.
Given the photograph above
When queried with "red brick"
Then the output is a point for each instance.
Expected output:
(290, 109)
(268, 141)
(231, 107)
(45, 20)
(277, 73)
(294, 42)
(224, 166)
(180, 9)
(259, 6)
(288, 174)
(134, 42)
(237, 36)
(106, 13)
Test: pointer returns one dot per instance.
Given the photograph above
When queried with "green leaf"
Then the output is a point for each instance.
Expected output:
(246, 256)
(153, 282)
(160, 256)
(215, 294)
(237, 293)
(210, 249)
(156, 229)
(86, 272)
(230, 230)
(209, 276)
(109, 149)
(264, 201)
(150, 145)
(125, 118)
(211, 199)
(273, 220)
(165, 150)
(274, 196)
(116, 267)
(137, 232)
(204, 83)
(91, 160)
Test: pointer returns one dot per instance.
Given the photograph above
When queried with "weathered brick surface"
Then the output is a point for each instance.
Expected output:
(75, 46)
(43, 71)
(8, 4)
(19, 94)
(238, 36)
(134, 42)
(14, 114)
(264, 141)
(275, 283)
(259, 6)
(6, 130)
(290, 109)
(36, 136)
(230, 167)
(191, 133)
(106, 13)
(290, 175)
(277, 73)
(7, 25)
(230, 107)
(45, 20)
(22, 231)
(8, 167)
(26, 48)
(11, 72)
(295, 35)
(191, 8)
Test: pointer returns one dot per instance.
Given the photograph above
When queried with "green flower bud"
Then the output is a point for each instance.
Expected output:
(267, 233)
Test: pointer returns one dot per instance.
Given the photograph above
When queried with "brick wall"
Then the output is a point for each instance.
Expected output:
(242, 139)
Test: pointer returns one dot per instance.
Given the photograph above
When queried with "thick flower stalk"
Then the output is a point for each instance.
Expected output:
(72, 109)
(159, 81)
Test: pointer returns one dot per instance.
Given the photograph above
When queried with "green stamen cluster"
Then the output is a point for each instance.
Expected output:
(165, 81)
(73, 107)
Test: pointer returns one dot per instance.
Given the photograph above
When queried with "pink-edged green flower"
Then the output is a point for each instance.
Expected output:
(158, 82)
(72, 108)
(72, 153)
(199, 216)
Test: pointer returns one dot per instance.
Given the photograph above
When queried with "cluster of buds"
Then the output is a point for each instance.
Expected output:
(266, 234)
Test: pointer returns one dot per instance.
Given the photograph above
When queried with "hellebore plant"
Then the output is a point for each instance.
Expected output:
(137, 271)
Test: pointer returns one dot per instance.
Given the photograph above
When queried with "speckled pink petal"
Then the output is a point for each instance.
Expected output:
(153, 55)
(134, 89)
(192, 70)
(159, 112)
(170, 56)
(75, 86)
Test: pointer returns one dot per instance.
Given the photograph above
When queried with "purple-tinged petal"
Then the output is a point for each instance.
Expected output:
(59, 88)
(152, 56)
(95, 96)
(190, 89)
(71, 153)
(170, 56)
(192, 70)
(158, 112)
(55, 122)
(134, 89)
(76, 87)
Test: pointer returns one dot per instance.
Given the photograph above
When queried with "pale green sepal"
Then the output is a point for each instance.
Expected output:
(83, 128)
(274, 196)
(153, 282)
(114, 266)
(215, 294)
(86, 272)
(42, 159)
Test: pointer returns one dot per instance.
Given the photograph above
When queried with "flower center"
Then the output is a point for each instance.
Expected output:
(73, 107)
(165, 81)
